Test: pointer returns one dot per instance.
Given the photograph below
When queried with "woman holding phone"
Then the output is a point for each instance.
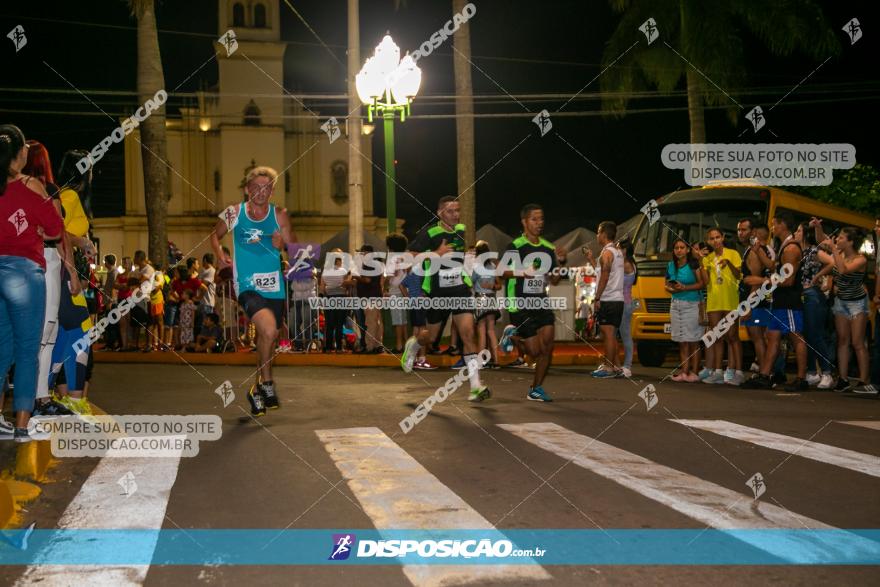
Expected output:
(685, 280)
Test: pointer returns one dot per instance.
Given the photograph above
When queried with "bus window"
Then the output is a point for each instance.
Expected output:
(690, 221)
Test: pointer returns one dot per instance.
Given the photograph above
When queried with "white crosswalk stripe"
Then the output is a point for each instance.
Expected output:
(841, 457)
(706, 502)
(102, 504)
(870, 424)
(397, 492)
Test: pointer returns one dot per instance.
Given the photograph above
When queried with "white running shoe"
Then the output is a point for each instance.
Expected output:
(626, 372)
(716, 378)
(826, 381)
(755, 368)
(410, 351)
(813, 379)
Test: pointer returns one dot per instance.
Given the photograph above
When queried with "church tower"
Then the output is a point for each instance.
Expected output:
(248, 112)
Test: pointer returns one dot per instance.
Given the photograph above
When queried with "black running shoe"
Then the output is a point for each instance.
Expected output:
(797, 385)
(270, 398)
(778, 379)
(21, 435)
(843, 385)
(50, 408)
(258, 405)
(757, 382)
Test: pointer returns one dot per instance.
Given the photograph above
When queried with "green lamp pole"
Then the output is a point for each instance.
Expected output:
(387, 85)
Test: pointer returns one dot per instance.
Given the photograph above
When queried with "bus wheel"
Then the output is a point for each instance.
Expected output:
(651, 354)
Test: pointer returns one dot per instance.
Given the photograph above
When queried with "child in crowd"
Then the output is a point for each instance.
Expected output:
(209, 335)
(157, 310)
(187, 317)
(71, 352)
(685, 280)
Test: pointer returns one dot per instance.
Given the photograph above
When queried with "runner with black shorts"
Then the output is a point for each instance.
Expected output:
(259, 230)
(450, 280)
(535, 326)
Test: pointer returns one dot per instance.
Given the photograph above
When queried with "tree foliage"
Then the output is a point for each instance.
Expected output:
(856, 189)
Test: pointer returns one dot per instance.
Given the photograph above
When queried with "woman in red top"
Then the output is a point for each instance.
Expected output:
(27, 216)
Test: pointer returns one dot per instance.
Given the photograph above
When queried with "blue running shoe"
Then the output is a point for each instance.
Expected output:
(459, 364)
(601, 373)
(506, 343)
(537, 394)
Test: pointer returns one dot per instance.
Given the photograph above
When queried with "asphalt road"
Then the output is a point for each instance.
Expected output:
(313, 465)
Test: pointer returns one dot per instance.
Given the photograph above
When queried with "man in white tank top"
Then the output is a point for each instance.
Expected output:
(608, 302)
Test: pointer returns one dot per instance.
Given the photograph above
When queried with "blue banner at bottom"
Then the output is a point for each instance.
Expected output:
(440, 547)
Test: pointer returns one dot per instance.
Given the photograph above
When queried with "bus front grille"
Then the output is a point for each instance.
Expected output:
(658, 305)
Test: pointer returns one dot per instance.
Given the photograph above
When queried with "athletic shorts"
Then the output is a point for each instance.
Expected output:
(787, 321)
(436, 316)
(418, 318)
(529, 322)
(252, 302)
(610, 314)
(759, 318)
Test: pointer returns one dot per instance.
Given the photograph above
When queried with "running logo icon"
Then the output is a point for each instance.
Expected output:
(331, 127)
(226, 393)
(542, 119)
(19, 221)
(342, 545)
(756, 117)
(128, 484)
(649, 28)
(651, 212)
(229, 41)
(16, 35)
(649, 395)
(757, 484)
(253, 235)
(854, 29)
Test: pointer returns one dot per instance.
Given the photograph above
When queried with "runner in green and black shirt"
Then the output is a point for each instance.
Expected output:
(533, 326)
(450, 280)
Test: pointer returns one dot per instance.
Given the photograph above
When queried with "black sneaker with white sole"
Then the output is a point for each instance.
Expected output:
(258, 404)
(50, 408)
(270, 398)
(842, 385)
(21, 435)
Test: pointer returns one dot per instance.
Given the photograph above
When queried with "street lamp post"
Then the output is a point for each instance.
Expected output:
(387, 85)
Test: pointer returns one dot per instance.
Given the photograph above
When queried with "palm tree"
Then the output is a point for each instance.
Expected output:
(150, 79)
(464, 123)
(709, 35)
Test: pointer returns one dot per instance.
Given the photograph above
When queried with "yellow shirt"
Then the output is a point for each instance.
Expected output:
(75, 220)
(722, 296)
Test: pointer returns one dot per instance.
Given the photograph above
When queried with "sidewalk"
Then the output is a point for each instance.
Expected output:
(563, 354)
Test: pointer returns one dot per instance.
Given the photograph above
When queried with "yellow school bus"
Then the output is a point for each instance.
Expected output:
(690, 213)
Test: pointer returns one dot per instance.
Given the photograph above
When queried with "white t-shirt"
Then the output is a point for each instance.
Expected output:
(206, 275)
(395, 271)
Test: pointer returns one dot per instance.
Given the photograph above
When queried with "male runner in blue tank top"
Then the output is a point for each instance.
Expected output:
(259, 231)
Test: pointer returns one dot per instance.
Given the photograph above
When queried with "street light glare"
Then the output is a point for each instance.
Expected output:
(385, 77)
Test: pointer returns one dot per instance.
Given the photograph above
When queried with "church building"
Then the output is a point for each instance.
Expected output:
(247, 119)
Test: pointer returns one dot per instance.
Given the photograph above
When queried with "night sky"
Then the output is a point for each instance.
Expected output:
(525, 47)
